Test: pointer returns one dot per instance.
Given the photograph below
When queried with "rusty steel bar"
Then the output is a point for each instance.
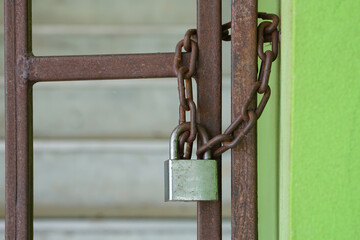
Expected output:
(18, 121)
(209, 102)
(243, 159)
(97, 67)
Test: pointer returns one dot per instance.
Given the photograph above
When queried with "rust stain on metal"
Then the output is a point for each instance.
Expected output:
(185, 74)
(18, 122)
(98, 67)
(209, 33)
(243, 159)
(242, 124)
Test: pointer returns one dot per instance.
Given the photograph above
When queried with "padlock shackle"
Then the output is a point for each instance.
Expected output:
(174, 139)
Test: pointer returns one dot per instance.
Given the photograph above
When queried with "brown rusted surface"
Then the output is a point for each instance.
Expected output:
(243, 159)
(267, 32)
(185, 75)
(209, 33)
(97, 67)
(18, 122)
(242, 124)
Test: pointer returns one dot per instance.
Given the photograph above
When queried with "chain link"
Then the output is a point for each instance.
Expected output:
(241, 126)
(184, 76)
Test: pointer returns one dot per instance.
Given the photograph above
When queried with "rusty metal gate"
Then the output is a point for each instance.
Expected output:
(23, 70)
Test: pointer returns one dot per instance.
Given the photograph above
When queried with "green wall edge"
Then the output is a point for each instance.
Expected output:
(285, 121)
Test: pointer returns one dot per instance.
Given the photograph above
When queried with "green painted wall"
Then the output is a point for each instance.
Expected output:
(324, 164)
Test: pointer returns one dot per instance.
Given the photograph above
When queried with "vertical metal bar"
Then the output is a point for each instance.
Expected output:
(18, 133)
(209, 101)
(243, 159)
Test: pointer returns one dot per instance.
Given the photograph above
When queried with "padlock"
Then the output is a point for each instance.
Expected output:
(190, 180)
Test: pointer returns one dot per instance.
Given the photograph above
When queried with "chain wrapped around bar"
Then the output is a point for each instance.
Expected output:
(241, 126)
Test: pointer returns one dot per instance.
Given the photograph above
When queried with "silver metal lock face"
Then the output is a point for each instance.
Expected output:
(190, 180)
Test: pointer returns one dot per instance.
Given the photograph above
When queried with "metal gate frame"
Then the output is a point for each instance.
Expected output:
(23, 70)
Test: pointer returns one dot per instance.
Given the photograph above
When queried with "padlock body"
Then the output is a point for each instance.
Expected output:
(191, 180)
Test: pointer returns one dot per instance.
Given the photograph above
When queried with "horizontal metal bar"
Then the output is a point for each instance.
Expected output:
(97, 67)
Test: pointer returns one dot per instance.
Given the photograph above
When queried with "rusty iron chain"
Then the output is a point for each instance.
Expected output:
(184, 76)
(241, 126)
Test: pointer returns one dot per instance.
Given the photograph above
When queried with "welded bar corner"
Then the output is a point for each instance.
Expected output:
(244, 157)
(209, 102)
(18, 122)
